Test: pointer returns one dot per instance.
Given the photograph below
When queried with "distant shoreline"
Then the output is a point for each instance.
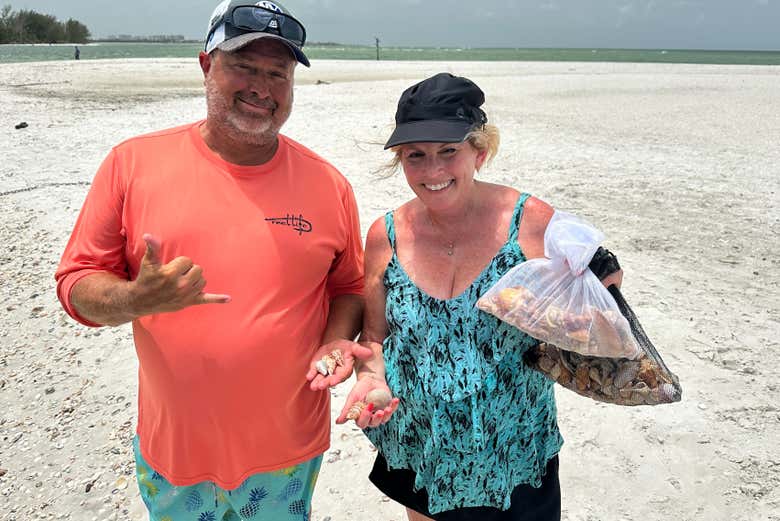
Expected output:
(112, 49)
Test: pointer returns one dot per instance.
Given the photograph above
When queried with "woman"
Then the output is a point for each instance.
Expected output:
(475, 434)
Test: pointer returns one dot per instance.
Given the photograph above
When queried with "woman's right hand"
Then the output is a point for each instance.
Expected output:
(369, 417)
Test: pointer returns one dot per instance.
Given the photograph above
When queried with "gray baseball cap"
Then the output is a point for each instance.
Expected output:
(236, 23)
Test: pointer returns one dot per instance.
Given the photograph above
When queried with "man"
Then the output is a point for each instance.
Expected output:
(228, 425)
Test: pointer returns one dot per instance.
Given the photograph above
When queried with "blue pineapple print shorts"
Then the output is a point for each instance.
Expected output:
(268, 496)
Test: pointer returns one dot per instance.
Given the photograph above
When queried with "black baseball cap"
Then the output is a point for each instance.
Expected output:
(236, 23)
(441, 109)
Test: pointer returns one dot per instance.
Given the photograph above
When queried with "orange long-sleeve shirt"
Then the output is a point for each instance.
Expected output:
(222, 388)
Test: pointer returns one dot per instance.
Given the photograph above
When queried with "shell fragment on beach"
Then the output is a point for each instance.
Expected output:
(326, 365)
(619, 381)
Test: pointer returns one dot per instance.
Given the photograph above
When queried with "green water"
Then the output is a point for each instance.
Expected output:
(26, 53)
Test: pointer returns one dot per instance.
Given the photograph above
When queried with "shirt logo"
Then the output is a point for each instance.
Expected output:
(297, 222)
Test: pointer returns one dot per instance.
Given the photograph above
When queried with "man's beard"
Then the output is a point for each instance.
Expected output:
(243, 128)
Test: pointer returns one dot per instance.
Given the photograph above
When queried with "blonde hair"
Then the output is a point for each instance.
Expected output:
(483, 139)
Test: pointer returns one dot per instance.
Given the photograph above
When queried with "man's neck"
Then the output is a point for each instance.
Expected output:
(236, 152)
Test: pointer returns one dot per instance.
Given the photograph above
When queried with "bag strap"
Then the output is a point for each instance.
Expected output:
(636, 328)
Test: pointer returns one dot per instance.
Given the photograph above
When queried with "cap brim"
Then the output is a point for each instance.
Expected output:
(242, 40)
(431, 131)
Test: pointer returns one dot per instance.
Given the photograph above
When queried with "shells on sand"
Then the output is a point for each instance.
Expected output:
(613, 380)
(327, 364)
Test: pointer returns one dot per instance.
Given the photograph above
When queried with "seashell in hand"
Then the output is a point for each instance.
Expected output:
(357, 408)
(322, 366)
(337, 357)
(379, 397)
(328, 363)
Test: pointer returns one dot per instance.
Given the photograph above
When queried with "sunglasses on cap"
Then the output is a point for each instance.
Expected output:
(253, 18)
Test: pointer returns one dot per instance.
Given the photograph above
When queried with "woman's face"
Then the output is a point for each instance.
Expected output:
(441, 174)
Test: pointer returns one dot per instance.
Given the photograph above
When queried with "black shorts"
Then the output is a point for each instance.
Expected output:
(527, 503)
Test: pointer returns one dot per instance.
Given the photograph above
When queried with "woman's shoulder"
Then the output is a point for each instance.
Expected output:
(501, 193)
(378, 240)
(536, 216)
(377, 232)
(535, 210)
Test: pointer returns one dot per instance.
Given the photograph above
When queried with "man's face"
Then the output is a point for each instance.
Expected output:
(249, 92)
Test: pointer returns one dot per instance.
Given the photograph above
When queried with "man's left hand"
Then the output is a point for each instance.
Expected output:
(349, 352)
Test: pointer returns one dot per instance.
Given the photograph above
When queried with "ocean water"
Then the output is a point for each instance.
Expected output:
(96, 51)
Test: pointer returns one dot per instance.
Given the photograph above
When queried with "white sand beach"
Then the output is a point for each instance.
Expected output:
(679, 165)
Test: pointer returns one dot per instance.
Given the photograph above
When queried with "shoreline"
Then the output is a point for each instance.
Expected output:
(21, 53)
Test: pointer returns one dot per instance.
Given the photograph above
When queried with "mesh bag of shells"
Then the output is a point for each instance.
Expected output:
(644, 381)
(559, 300)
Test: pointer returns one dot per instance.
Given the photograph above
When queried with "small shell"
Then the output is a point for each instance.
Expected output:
(379, 397)
(594, 375)
(565, 377)
(545, 364)
(582, 377)
(357, 408)
(555, 371)
(509, 298)
(322, 366)
(579, 335)
(554, 317)
(327, 364)
(330, 363)
(337, 357)
(609, 341)
(669, 393)
(626, 374)
(647, 373)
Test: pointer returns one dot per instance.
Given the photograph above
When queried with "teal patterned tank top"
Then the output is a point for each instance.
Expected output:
(474, 420)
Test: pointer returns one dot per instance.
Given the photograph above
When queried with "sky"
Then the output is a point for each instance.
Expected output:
(643, 24)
